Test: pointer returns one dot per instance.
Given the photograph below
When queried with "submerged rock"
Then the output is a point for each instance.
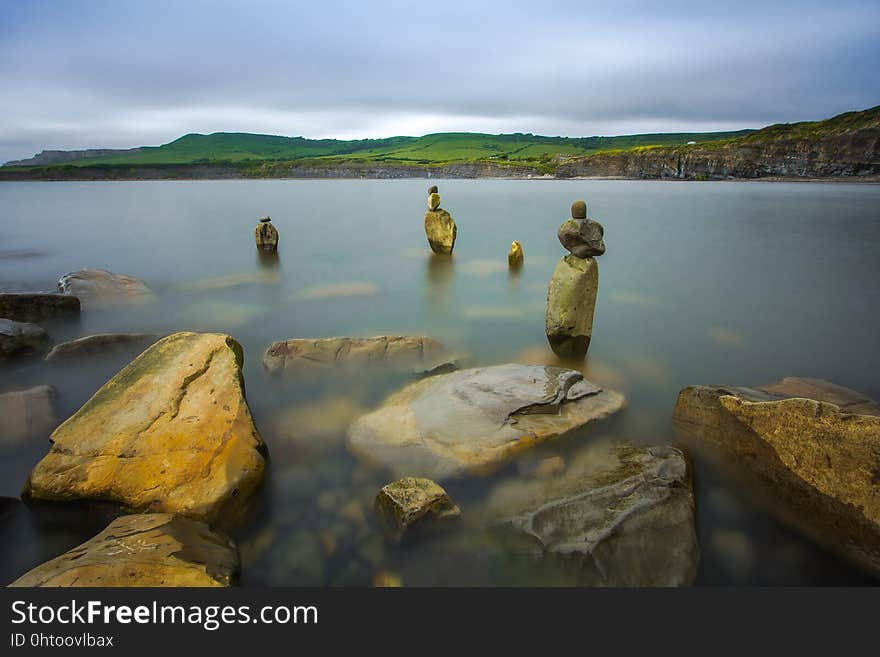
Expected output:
(100, 287)
(171, 432)
(27, 307)
(316, 429)
(103, 343)
(414, 504)
(582, 237)
(27, 415)
(153, 549)
(19, 338)
(620, 515)
(266, 235)
(441, 231)
(807, 448)
(515, 256)
(571, 301)
(472, 420)
(402, 351)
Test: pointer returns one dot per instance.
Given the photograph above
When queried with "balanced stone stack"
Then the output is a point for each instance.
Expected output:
(266, 235)
(571, 297)
(440, 229)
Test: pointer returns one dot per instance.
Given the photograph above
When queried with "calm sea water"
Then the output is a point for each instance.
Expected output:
(735, 283)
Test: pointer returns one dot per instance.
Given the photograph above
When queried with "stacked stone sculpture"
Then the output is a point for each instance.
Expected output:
(266, 235)
(571, 296)
(440, 229)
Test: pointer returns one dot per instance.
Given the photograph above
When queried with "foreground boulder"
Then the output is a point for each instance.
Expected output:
(401, 351)
(100, 287)
(619, 515)
(571, 302)
(808, 449)
(413, 504)
(171, 432)
(473, 420)
(27, 415)
(18, 338)
(154, 549)
(101, 344)
(26, 307)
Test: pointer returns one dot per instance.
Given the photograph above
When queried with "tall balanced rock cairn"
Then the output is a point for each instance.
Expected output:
(571, 297)
(266, 235)
(440, 229)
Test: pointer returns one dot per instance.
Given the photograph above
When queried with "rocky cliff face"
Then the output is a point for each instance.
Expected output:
(854, 153)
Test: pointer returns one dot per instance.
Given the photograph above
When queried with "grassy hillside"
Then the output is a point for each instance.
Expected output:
(433, 149)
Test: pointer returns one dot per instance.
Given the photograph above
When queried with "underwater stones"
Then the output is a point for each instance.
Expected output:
(18, 338)
(515, 256)
(571, 301)
(171, 432)
(582, 237)
(620, 515)
(100, 344)
(317, 428)
(27, 415)
(413, 503)
(397, 351)
(806, 448)
(153, 549)
(266, 235)
(440, 229)
(571, 296)
(98, 287)
(36, 307)
(471, 421)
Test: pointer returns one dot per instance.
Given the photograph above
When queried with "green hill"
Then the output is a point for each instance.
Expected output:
(442, 148)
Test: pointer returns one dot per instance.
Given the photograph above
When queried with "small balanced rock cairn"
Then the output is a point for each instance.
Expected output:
(440, 229)
(515, 256)
(571, 297)
(266, 235)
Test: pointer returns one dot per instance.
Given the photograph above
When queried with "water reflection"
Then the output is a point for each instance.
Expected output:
(268, 259)
(440, 270)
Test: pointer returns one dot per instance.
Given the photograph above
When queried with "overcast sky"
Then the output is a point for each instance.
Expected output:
(121, 73)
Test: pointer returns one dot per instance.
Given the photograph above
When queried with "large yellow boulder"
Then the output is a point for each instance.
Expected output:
(171, 432)
(808, 450)
(441, 231)
(152, 549)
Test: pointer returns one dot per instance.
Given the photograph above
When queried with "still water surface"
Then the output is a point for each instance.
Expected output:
(734, 283)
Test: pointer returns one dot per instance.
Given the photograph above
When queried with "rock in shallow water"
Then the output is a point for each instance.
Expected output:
(27, 415)
(154, 549)
(266, 235)
(808, 449)
(515, 256)
(18, 338)
(619, 515)
(27, 307)
(571, 302)
(171, 432)
(402, 351)
(414, 503)
(97, 287)
(473, 420)
(441, 231)
(96, 345)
